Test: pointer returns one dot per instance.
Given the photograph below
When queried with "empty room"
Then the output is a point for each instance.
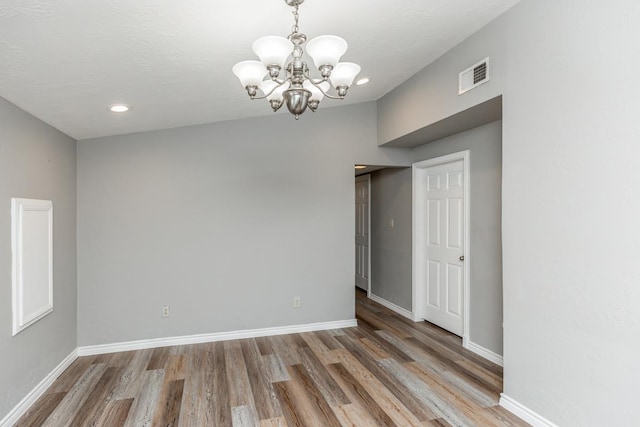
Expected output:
(178, 188)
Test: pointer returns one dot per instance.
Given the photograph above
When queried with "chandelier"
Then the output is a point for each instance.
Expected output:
(292, 83)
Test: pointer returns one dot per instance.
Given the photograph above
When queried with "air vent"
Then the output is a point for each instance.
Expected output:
(474, 76)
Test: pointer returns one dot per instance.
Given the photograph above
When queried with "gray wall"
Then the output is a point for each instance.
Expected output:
(36, 162)
(225, 223)
(570, 206)
(485, 263)
(391, 246)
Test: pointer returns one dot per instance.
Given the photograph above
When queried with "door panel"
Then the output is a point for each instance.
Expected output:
(434, 291)
(454, 290)
(454, 226)
(434, 225)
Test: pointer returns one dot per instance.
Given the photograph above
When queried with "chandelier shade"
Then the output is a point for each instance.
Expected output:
(250, 73)
(316, 94)
(272, 50)
(326, 50)
(344, 73)
(291, 83)
(272, 91)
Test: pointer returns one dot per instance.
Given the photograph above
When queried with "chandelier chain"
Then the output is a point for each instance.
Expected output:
(296, 16)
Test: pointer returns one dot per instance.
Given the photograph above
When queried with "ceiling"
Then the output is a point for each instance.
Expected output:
(66, 61)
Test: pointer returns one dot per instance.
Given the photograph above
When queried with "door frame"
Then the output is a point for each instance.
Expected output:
(419, 244)
(368, 179)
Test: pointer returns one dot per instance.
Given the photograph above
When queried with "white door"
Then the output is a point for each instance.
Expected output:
(444, 188)
(362, 232)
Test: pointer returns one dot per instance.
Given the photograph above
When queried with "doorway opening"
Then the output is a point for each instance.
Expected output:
(363, 233)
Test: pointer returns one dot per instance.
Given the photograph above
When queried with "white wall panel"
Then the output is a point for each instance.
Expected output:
(32, 247)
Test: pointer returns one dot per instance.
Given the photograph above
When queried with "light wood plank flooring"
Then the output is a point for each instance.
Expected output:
(386, 372)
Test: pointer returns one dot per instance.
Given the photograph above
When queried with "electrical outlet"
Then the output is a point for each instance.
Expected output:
(166, 311)
(392, 223)
(296, 302)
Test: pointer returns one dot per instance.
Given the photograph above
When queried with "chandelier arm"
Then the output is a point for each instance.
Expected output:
(320, 89)
(280, 82)
(317, 81)
(287, 80)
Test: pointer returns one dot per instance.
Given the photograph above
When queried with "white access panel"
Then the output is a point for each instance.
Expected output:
(32, 263)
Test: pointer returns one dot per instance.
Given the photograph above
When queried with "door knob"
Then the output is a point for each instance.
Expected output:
(461, 257)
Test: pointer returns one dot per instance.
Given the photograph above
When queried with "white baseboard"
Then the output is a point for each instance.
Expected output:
(391, 306)
(523, 412)
(481, 351)
(205, 338)
(21, 408)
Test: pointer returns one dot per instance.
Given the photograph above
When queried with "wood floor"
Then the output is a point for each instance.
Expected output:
(388, 371)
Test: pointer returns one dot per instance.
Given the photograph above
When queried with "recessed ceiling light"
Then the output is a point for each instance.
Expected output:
(119, 108)
(361, 166)
(363, 81)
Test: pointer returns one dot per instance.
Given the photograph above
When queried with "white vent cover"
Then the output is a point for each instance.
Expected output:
(474, 76)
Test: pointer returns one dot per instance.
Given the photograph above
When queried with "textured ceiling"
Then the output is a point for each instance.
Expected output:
(65, 61)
